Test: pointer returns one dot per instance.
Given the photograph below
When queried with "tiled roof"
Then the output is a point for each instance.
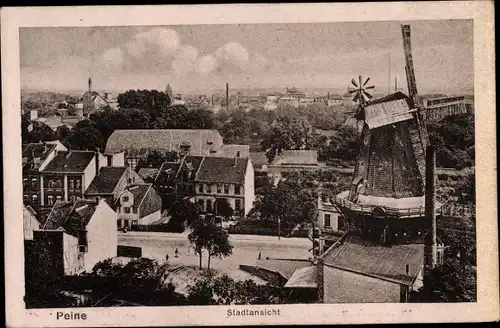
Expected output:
(258, 159)
(106, 180)
(70, 161)
(145, 193)
(133, 141)
(285, 268)
(232, 151)
(294, 157)
(70, 217)
(375, 260)
(222, 170)
(37, 152)
(385, 113)
(148, 174)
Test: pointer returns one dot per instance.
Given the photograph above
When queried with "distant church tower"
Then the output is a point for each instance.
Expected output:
(168, 91)
(90, 85)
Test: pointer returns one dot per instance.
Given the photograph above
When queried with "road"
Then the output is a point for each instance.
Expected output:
(157, 245)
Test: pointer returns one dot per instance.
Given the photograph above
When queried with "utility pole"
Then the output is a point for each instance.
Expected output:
(389, 75)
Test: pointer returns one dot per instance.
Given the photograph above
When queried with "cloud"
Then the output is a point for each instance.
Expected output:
(206, 64)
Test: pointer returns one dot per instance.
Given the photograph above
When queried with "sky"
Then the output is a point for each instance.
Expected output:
(201, 58)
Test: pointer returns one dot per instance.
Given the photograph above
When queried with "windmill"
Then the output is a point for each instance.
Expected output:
(361, 95)
(386, 197)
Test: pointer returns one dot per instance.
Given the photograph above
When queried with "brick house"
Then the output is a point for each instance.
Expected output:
(138, 204)
(35, 158)
(206, 179)
(75, 236)
(68, 175)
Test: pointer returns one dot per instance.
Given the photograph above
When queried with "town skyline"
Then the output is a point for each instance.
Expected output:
(202, 58)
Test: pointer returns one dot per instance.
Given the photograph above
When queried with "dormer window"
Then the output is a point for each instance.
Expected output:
(125, 199)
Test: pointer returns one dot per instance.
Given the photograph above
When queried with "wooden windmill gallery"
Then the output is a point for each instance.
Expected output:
(386, 200)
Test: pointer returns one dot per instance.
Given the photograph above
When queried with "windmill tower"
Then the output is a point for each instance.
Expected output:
(386, 198)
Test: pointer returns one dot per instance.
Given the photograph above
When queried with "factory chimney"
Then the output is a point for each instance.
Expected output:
(396, 83)
(227, 96)
(90, 85)
(430, 242)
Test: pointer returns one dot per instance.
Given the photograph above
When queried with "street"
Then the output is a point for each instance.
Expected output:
(157, 245)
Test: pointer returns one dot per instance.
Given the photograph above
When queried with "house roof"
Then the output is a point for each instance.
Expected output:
(222, 170)
(303, 278)
(385, 113)
(141, 192)
(258, 159)
(295, 157)
(70, 161)
(106, 180)
(70, 217)
(133, 141)
(148, 174)
(232, 150)
(285, 268)
(37, 151)
(386, 263)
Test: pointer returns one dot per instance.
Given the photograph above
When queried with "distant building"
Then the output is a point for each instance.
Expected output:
(169, 92)
(206, 179)
(336, 101)
(330, 223)
(138, 143)
(93, 101)
(138, 204)
(289, 101)
(75, 236)
(294, 93)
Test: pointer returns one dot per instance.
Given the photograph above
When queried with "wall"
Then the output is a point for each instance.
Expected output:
(150, 204)
(102, 237)
(346, 287)
(89, 174)
(249, 189)
(151, 218)
(30, 223)
(73, 263)
(118, 159)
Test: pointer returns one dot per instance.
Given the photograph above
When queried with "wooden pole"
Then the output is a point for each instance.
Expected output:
(430, 242)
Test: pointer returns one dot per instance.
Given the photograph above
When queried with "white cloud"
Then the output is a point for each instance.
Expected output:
(206, 64)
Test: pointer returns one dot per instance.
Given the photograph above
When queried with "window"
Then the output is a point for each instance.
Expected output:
(25, 198)
(134, 209)
(25, 182)
(77, 182)
(209, 188)
(126, 210)
(190, 190)
(135, 222)
(226, 189)
(71, 184)
(50, 200)
(200, 187)
(58, 198)
(34, 198)
(219, 188)
(327, 220)
(34, 182)
(201, 203)
(125, 199)
(237, 204)
(237, 190)
(72, 198)
(82, 248)
(118, 223)
(209, 205)
(51, 183)
(238, 153)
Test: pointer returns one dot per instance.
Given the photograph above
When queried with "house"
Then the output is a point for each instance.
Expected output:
(138, 204)
(330, 222)
(75, 236)
(68, 175)
(294, 93)
(354, 270)
(92, 100)
(206, 179)
(30, 222)
(136, 144)
(289, 101)
(110, 182)
(35, 157)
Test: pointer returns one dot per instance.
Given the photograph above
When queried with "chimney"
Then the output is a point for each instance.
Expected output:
(407, 269)
(430, 242)
(396, 83)
(90, 84)
(227, 96)
(97, 160)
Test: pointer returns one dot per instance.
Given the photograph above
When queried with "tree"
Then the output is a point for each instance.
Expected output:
(41, 132)
(63, 132)
(86, 137)
(183, 211)
(156, 158)
(211, 289)
(207, 234)
(223, 207)
(25, 133)
(151, 101)
(343, 145)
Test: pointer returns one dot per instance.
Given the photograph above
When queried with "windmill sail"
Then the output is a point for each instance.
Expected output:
(410, 71)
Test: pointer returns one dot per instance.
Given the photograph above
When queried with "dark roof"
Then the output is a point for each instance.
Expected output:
(390, 97)
(232, 150)
(258, 159)
(37, 152)
(70, 217)
(106, 180)
(285, 268)
(139, 191)
(222, 170)
(148, 174)
(386, 263)
(288, 157)
(70, 161)
(133, 142)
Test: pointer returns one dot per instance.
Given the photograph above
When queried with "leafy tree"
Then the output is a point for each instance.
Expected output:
(210, 289)
(25, 133)
(151, 101)
(63, 132)
(207, 234)
(41, 132)
(224, 209)
(86, 137)
(343, 145)
(156, 158)
(183, 211)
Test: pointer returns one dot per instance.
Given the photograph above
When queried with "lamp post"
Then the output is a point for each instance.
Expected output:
(279, 228)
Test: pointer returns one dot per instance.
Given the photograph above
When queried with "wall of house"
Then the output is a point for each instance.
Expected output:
(150, 207)
(334, 219)
(73, 261)
(30, 223)
(102, 237)
(151, 218)
(89, 174)
(347, 287)
(31, 188)
(249, 188)
(117, 159)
